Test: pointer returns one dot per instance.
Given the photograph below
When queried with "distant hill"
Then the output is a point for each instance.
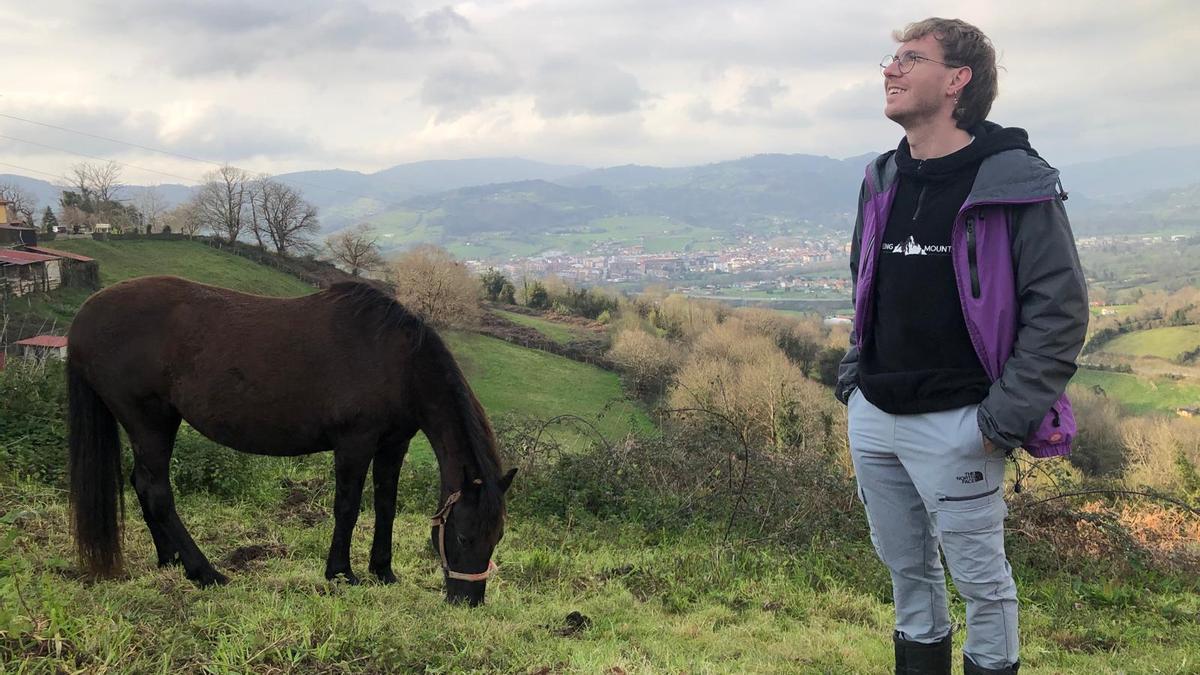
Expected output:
(346, 196)
(443, 199)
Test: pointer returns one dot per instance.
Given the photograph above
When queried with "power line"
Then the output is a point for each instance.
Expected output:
(169, 153)
(110, 140)
(99, 159)
(25, 168)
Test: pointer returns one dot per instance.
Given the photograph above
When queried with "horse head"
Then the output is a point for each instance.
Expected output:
(465, 532)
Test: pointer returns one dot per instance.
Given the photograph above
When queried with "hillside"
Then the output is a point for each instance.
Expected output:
(508, 379)
(595, 576)
(120, 260)
(1164, 343)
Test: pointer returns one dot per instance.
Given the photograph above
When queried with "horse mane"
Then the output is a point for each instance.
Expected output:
(365, 300)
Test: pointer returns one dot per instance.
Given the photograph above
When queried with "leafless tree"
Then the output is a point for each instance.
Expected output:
(23, 203)
(153, 206)
(430, 282)
(223, 201)
(281, 214)
(184, 219)
(101, 181)
(355, 248)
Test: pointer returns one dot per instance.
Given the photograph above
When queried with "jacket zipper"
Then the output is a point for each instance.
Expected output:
(971, 262)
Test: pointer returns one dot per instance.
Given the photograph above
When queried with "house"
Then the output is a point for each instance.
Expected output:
(23, 272)
(43, 347)
(78, 271)
(12, 229)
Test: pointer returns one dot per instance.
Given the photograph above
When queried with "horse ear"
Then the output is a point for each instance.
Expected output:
(506, 480)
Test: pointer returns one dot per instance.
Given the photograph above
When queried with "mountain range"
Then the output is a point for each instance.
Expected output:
(459, 198)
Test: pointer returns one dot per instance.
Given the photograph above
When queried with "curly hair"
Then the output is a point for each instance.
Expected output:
(963, 45)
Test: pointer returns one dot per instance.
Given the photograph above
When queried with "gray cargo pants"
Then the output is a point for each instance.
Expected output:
(925, 479)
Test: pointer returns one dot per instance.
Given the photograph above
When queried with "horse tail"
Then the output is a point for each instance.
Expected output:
(97, 497)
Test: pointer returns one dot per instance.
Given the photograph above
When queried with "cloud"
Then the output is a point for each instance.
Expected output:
(573, 86)
(762, 94)
(208, 37)
(213, 133)
(465, 86)
(860, 100)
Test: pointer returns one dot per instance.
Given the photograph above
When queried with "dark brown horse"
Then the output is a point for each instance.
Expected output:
(347, 369)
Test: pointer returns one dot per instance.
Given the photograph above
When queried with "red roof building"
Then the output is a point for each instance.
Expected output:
(13, 257)
(58, 254)
(50, 341)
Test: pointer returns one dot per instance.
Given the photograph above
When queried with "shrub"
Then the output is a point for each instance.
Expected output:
(431, 283)
(646, 360)
(33, 430)
(1099, 448)
(200, 465)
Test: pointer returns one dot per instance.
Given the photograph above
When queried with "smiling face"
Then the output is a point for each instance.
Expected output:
(923, 93)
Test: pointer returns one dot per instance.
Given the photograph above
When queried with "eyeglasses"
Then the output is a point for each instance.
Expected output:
(908, 60)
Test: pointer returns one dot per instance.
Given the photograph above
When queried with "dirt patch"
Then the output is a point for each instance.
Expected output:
(245, 556)
(590, 349)
(574, 624)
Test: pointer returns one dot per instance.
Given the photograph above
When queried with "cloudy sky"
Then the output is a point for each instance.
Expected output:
(367, 84)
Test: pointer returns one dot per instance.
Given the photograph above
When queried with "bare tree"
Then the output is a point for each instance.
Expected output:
(153, 206)
(430, 282)
(184, 219)
(223, 201)
(101, 182)
(281, 214)
(23, 203)
(355, 248)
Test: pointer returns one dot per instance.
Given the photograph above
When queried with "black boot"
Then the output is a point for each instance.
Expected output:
(918, 658)
(969, 668)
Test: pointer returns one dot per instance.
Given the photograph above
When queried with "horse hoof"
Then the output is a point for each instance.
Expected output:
(347, 577)
(211, 578)
(385, 576)
(168, 562)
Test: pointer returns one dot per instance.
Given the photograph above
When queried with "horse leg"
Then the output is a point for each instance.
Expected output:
(153, 443)
(386, 473)
(160, 440)
(350, 462)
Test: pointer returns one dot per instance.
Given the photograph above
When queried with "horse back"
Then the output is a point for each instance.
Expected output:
(265, 375)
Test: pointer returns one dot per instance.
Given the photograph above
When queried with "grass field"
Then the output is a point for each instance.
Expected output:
(509, 378)
(555, 331)
(574, 594)
(1141, 395)
(647, 602)
(1163, 343)
(120, 260)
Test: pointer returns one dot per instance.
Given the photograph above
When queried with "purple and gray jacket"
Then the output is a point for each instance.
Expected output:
(1021, 287)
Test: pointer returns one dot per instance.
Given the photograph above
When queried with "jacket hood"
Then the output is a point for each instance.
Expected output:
(1011, 171)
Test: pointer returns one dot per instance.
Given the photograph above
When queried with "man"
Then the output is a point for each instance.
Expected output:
(970, 308)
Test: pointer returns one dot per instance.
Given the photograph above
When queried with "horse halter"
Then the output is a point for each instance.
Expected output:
(439, 521)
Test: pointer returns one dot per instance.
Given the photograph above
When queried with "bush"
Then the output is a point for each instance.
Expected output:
(432, 284)
(538, 297)
(33, 425)
(1099, 448)
(646, 360)
(747, 378)
(200, 465)
(697, 469)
